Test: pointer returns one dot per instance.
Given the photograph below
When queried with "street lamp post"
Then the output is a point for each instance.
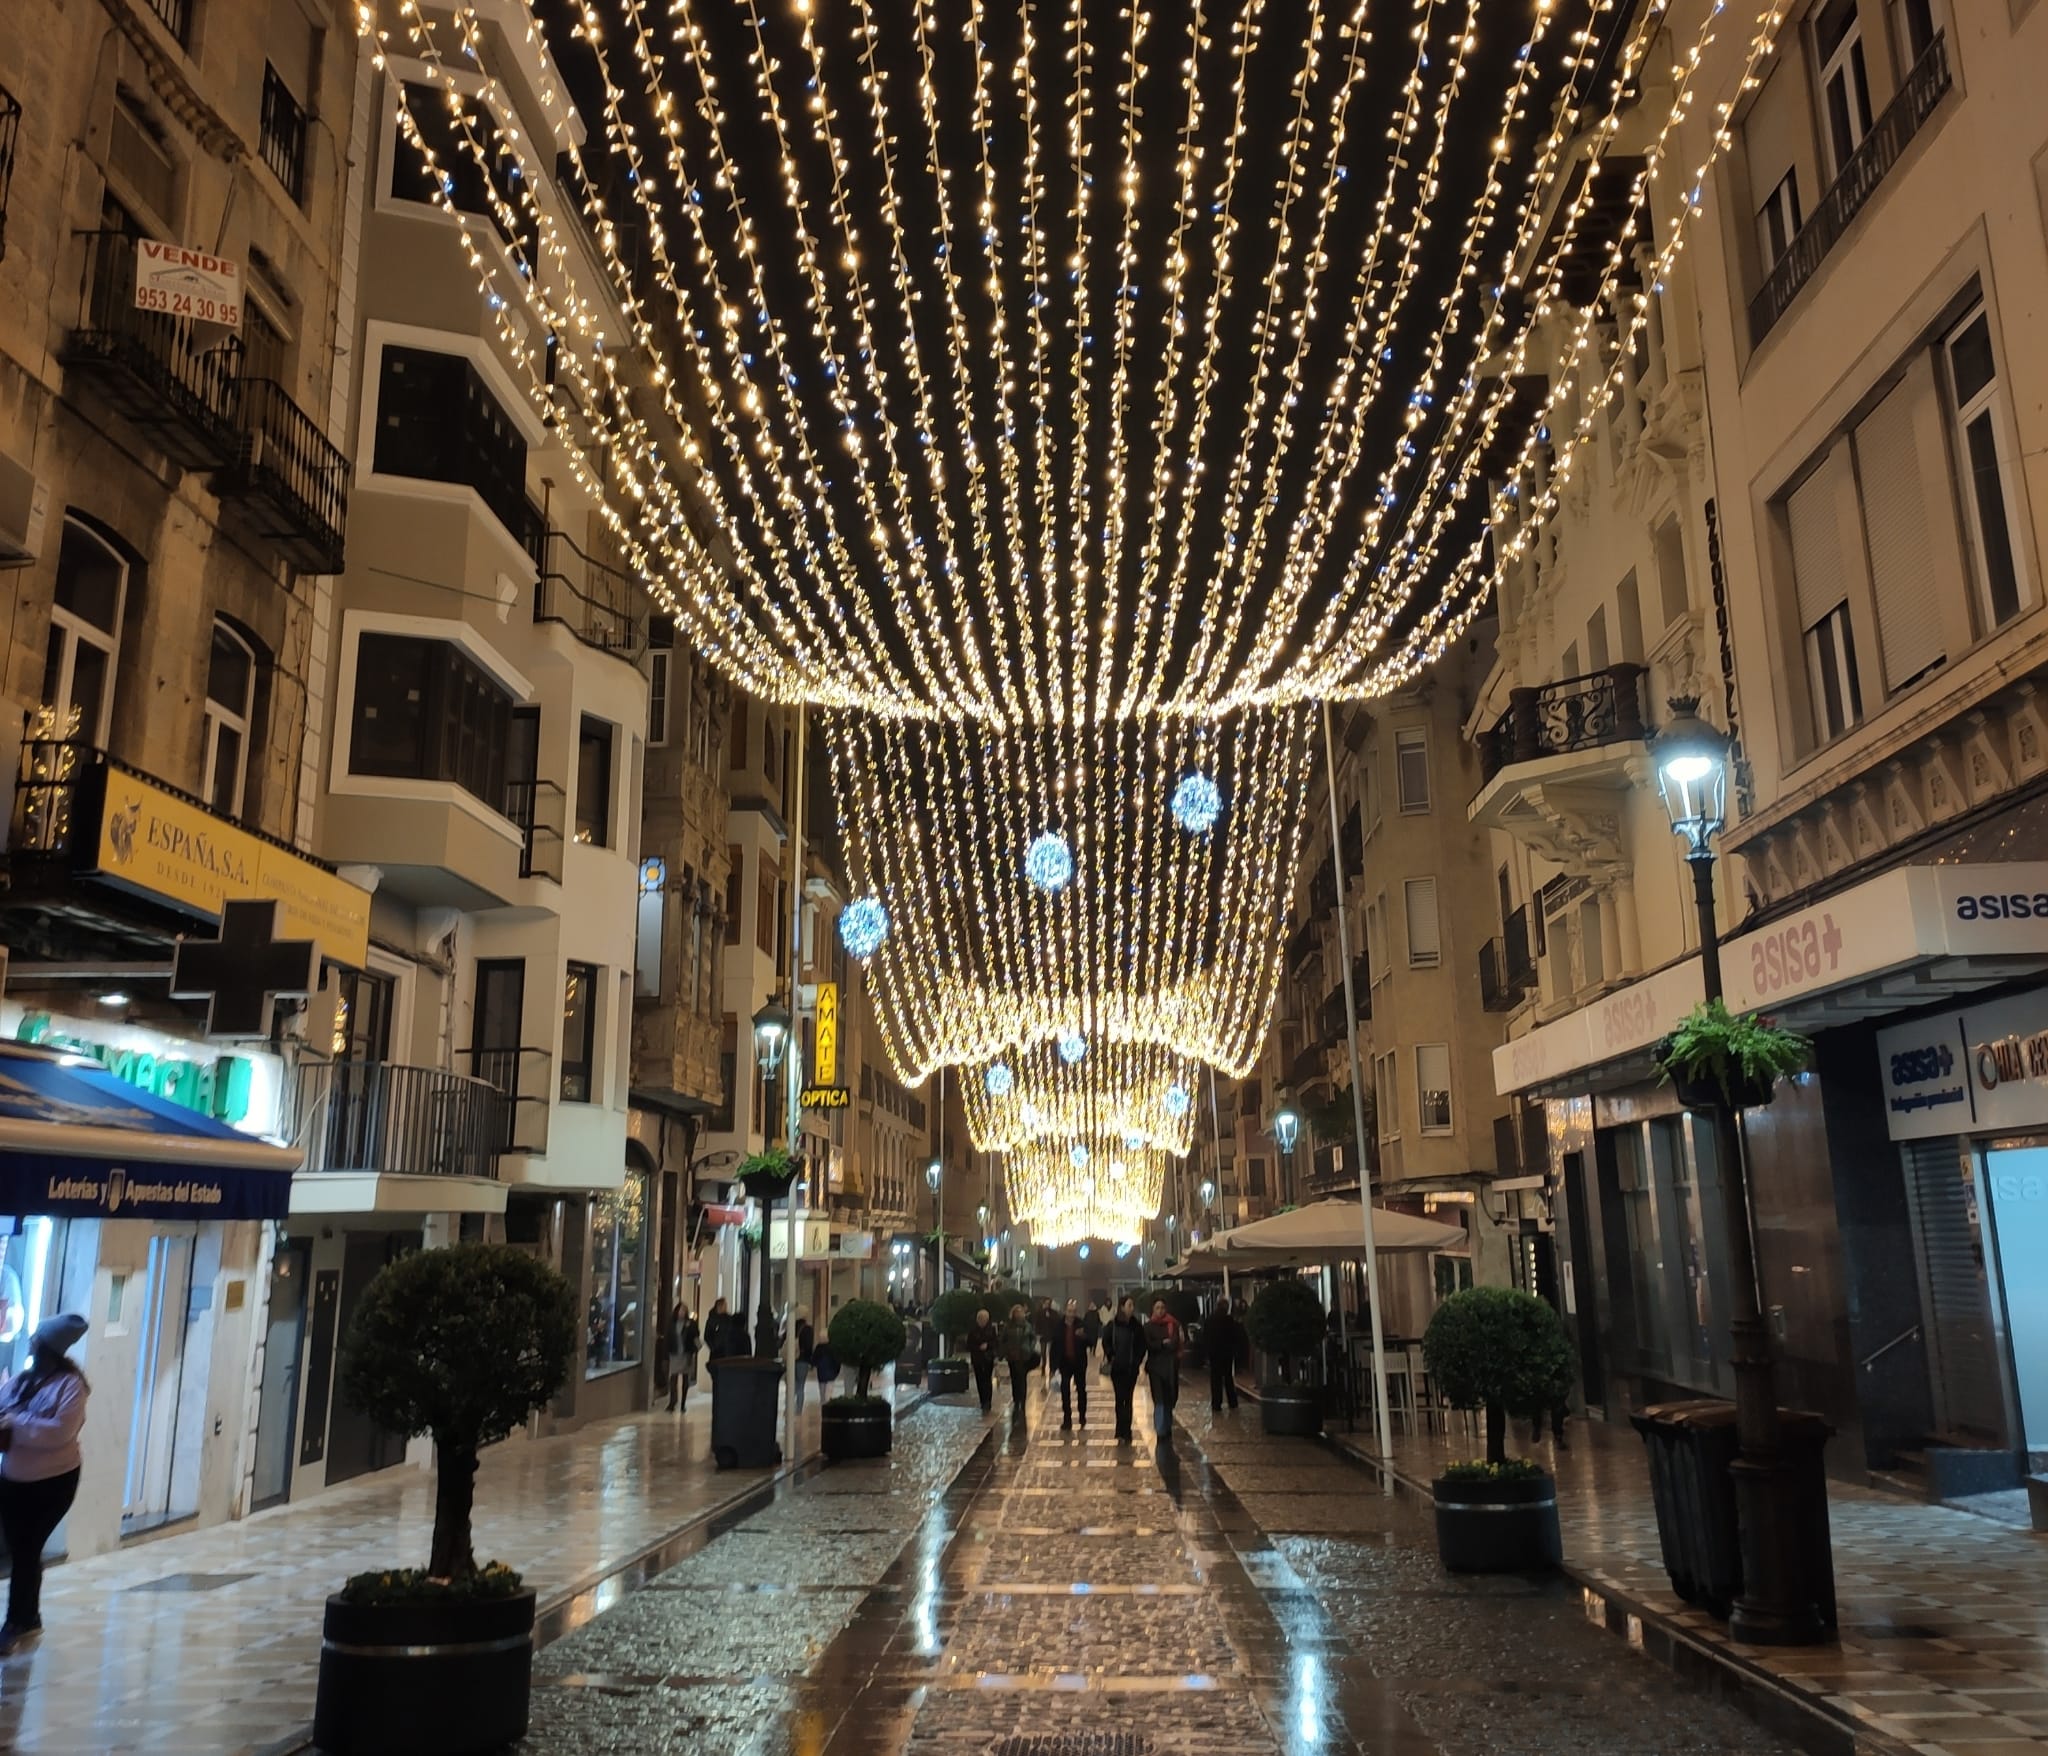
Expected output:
(935, 1180)
(1775, 1607)
(771, 1039)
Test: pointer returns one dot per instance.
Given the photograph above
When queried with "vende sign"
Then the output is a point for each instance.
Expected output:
(176, 282)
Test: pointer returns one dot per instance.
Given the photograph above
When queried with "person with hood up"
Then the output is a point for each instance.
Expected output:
(1123, 1346)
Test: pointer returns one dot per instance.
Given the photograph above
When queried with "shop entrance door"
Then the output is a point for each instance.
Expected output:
(174, 1319)
(277, 1406)
(2016, 1179)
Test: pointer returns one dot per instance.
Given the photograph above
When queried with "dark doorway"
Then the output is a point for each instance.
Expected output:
(277, 1407)
(356, 1445)
(1585, 1282)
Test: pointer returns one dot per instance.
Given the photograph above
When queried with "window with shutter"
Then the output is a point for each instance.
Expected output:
(1895, 519)
(1425, 945)
(1821, 592)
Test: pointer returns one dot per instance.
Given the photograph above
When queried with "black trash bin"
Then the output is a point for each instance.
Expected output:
(746, 1393)
(1691, 1445)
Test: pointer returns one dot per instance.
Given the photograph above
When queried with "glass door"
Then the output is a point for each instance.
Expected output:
(277, 1408)
(2016, 1182)
(174, 1313)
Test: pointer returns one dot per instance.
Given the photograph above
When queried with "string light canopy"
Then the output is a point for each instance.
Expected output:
(1111, 1193)
(1051, 367)
(1157, 937)
(1123, 1095)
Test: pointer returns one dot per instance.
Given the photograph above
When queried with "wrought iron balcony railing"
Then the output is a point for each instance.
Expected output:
(525, 1077)
(1574, 713)
(177, 19)
(594, 600)
(403, 1121)
(541, 809)
(1506, 970)
(289, 476)
(10, 140)
(173, 378)
(1868, 166)
(281, 136)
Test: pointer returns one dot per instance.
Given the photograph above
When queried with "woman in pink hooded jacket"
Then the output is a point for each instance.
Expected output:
(41, 1413)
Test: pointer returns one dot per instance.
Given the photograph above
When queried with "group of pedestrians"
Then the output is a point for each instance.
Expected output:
(1065, 1345)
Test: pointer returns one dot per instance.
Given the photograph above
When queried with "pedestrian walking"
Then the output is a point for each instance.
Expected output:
(682, 1369)
(1073, 1346)
(983, 1341)
(1046, 1321)
(1020, 1350)
(1123, 1346)
(1162, 1367)
(725, 1336)
(806, 1347)
(42, 1412)
(1223, 1335)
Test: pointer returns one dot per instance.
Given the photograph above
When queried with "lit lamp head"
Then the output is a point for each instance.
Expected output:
(981, 1213)
(1286, 1120)
(1692, 774)
(771, 1035)
(933, 1173)
(1208, 1192)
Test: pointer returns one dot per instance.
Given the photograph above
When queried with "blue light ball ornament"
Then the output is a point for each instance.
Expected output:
(1049, 862)
(998, 1081)
(1073, 1046)
(1197, 803)
(1077, 1156)
(863, 925)
(1084, 1252)
(1134, 1141)
(1178, 1101)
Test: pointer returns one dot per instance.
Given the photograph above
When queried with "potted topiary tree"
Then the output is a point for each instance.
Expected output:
(462, 1344)
(1286, 1321)
(952, 1315)
(1503, 1351)
(1713, 1057)
(865, 1336)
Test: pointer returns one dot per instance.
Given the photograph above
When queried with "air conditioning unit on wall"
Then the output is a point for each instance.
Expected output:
(24, 505)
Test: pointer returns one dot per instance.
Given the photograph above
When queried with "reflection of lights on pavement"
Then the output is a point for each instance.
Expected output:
(1308, 1686)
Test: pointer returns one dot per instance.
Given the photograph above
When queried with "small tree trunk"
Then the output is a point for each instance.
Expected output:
(1496, 1433)
(861, 1385)
(454, 1496)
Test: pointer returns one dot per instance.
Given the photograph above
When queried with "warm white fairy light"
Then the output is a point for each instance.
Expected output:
(826, 523)
(1154, 936)
(1120, 1092)
(1105, 1193)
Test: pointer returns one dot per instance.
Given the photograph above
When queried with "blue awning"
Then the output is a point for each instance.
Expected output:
(76, 1140)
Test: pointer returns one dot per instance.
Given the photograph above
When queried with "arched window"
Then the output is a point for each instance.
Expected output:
(230, 701)
(85, 631)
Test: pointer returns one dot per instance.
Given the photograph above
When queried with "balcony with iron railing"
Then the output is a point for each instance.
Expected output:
(281, 134)
(596, 601)
(400, 1121)
(525, 1079)
(288, 477)
(1592, 712)
(10, 141)
(540, 810)
(174, 378)
(1868, 166)
(1507, 971)
(177, 19)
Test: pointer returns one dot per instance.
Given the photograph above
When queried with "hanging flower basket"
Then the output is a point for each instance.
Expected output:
(1714, 1059)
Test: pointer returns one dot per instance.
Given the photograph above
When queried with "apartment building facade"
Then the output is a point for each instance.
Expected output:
(1822, 481)
(173, 491)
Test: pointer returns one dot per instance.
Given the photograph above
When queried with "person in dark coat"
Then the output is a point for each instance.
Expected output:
(683, 1338)
(1073, 1346)
(983, 1342)
(806, 1346)
(1021, 1350)
(725, 1336)
(1123, 1346)
(1162, 1366)
(1223, 1336)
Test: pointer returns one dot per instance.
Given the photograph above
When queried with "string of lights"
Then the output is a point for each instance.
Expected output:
(1136, 1095)
(1072, 1190)
(1120, 885)
(851, 552)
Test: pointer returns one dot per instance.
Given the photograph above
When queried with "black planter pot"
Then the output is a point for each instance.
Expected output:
(745, 1394)
(1497, 1527)
(1290, 1411)
(424, 1679)
(946, 1377)
(849, 1429)
(1705, 1094)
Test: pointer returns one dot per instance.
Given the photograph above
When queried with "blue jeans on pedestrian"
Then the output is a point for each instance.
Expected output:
(803, 1377)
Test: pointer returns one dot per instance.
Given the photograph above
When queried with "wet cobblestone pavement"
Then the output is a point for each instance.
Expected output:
(1000, 1590)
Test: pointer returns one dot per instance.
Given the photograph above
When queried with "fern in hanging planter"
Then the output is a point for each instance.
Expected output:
(1713, 1057)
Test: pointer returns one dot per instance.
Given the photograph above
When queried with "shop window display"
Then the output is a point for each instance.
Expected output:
(616, 1319)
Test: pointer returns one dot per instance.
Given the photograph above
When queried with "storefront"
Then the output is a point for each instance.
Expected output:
(1966, 1102)
(123, 1199)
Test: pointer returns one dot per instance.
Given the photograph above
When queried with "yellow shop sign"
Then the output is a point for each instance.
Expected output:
(153, 841)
